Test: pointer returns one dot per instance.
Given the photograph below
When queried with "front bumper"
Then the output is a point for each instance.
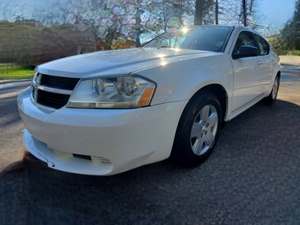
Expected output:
(115, 140)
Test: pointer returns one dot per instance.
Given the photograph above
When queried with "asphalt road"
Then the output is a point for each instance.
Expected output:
(253, 177)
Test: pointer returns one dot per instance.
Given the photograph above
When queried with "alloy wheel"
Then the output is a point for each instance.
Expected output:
(204, 130)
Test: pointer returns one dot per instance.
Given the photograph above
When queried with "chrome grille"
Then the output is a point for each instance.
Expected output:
(52, 91)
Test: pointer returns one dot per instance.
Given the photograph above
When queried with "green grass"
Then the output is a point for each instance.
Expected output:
(288, 52)
(15, 72)
(293, 52)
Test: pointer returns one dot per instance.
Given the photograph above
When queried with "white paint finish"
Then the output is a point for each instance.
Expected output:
(247, 84)
(265, 67)
(127, 138)
(63, 161)
(181, 80)
(118, 62)
(134, 137)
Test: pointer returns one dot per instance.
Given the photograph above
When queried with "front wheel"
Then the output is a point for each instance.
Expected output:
(198, 130)
(271, 99)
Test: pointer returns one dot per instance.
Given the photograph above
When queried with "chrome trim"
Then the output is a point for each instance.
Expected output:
(50, 89)
(54, 90)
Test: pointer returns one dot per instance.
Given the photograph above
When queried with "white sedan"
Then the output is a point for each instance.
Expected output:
(107, 112)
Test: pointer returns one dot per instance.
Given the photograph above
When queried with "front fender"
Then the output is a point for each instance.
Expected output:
(179, 81)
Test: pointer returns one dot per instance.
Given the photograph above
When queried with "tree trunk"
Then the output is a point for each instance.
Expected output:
(251, 6)
(217, 12)
(138, 24)
(244, 7)
(199, 12)
(202, 11)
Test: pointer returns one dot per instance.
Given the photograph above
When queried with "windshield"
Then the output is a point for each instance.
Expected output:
(210, 38)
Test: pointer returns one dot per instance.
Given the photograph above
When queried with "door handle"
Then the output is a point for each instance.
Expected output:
(261, 62)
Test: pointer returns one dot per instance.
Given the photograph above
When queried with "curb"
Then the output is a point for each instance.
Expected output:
(13, 81)
(14, 84)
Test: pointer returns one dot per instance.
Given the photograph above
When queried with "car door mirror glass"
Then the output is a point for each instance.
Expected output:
(246, 51)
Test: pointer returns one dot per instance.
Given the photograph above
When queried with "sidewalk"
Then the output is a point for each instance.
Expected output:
(289, 60)
(13, 81)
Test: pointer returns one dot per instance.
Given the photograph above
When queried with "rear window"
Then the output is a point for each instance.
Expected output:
(263, 45)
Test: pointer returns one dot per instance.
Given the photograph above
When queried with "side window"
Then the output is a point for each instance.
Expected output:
(264, 47)
(246, 40)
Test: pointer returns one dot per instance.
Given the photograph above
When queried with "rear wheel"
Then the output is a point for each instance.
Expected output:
(198, 130)
(271, 99)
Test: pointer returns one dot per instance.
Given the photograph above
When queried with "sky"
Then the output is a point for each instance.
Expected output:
(274, 13)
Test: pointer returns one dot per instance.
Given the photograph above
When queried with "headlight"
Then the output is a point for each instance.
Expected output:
(113, 92)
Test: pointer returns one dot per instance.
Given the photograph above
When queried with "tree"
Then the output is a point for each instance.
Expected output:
(247, 12)
(125, 19)
(244, 12)
(224, 12)
(28, 42)
(291, 32)
(203, 9)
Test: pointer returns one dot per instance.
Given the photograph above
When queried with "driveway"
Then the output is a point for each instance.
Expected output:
(253, 177)
(11, 148)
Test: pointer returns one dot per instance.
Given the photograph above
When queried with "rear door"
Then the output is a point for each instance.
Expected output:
(265, 63)
(247, 79)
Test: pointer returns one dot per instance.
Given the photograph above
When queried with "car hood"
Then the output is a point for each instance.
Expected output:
(117, 61)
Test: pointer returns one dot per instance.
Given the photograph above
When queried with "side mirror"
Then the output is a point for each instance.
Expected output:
(246, 51)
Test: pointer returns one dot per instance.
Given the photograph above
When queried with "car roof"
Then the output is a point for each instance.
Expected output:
(235, 27)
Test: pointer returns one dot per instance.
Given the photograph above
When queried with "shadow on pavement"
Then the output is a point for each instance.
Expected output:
(9, 115)
(252, 178)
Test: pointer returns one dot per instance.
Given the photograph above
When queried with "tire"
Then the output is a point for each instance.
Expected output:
(272, 98)
(195, 130)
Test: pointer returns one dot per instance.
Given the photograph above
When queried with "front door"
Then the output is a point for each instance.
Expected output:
(247, 83)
